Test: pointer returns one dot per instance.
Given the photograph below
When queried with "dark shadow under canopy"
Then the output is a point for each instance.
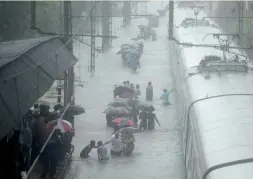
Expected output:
(28, 68)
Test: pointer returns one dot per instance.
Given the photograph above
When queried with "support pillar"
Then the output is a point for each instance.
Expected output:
(93, 39)
(171, 19)
(126, 13)
(69, 76)
(106, 25)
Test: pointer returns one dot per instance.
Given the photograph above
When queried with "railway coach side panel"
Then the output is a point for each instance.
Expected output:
(224, 128)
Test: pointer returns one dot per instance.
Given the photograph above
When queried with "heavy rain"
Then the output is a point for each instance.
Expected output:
(112, 89)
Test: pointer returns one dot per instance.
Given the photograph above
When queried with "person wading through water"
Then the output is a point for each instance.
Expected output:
(165, 97)
(134, 114)
(149, 92)
(85, 152)
(143, 119)
(116, 147)
(102, 151)
(137, 91)
(151, 120)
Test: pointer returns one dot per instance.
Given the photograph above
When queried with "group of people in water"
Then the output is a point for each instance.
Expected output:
(119, 146)
(119, 140)
(146, 33)
(149, 92)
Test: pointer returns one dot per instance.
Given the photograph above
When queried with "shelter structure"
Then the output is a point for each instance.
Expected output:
(28, 68)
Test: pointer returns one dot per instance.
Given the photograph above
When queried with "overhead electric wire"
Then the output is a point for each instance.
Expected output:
(48, 58)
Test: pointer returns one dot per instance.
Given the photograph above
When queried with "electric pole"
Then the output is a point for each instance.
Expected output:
(171, 19)
(146, 8)
(240, 17)
(210, 8)
(106, 25)
(69, 76)
(93, 39)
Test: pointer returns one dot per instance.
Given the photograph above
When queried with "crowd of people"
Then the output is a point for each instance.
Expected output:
(21, 147)
(144, 119)
(119, 146)
(146, 33)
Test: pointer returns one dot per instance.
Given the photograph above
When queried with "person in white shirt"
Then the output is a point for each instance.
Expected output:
(116, 142)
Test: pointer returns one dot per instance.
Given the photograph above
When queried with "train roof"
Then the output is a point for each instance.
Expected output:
(199, 34)
(225, 124)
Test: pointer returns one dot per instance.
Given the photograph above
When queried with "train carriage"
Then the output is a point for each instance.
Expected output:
(214, 111)
(215, 108)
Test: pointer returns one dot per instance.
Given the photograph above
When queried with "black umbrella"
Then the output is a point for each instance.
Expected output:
(117, 111)
(118, 103)
(132, 102)
(122, 89)
(142, 26)
(145, 107)
(26, 74)
(124, 45)
(74, 110)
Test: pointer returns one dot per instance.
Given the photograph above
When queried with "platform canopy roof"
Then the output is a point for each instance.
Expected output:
(28, 68)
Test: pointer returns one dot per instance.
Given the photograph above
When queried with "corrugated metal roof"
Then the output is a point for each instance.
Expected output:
(27, 70)
(12, 50)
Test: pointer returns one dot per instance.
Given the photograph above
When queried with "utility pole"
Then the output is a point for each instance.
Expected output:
(171, 19)
(240, 16)
(93, 39)
(210, 8)
(126, 13)
(110, 24)
(69, 76)
(106, 25)
(146, 8)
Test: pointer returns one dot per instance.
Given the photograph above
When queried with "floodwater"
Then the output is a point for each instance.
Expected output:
(157, 153)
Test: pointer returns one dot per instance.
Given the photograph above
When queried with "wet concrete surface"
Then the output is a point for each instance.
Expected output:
(157, 153)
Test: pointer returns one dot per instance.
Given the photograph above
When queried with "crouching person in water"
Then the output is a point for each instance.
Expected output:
(85, 152)
(102, 151)
(116, 148)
